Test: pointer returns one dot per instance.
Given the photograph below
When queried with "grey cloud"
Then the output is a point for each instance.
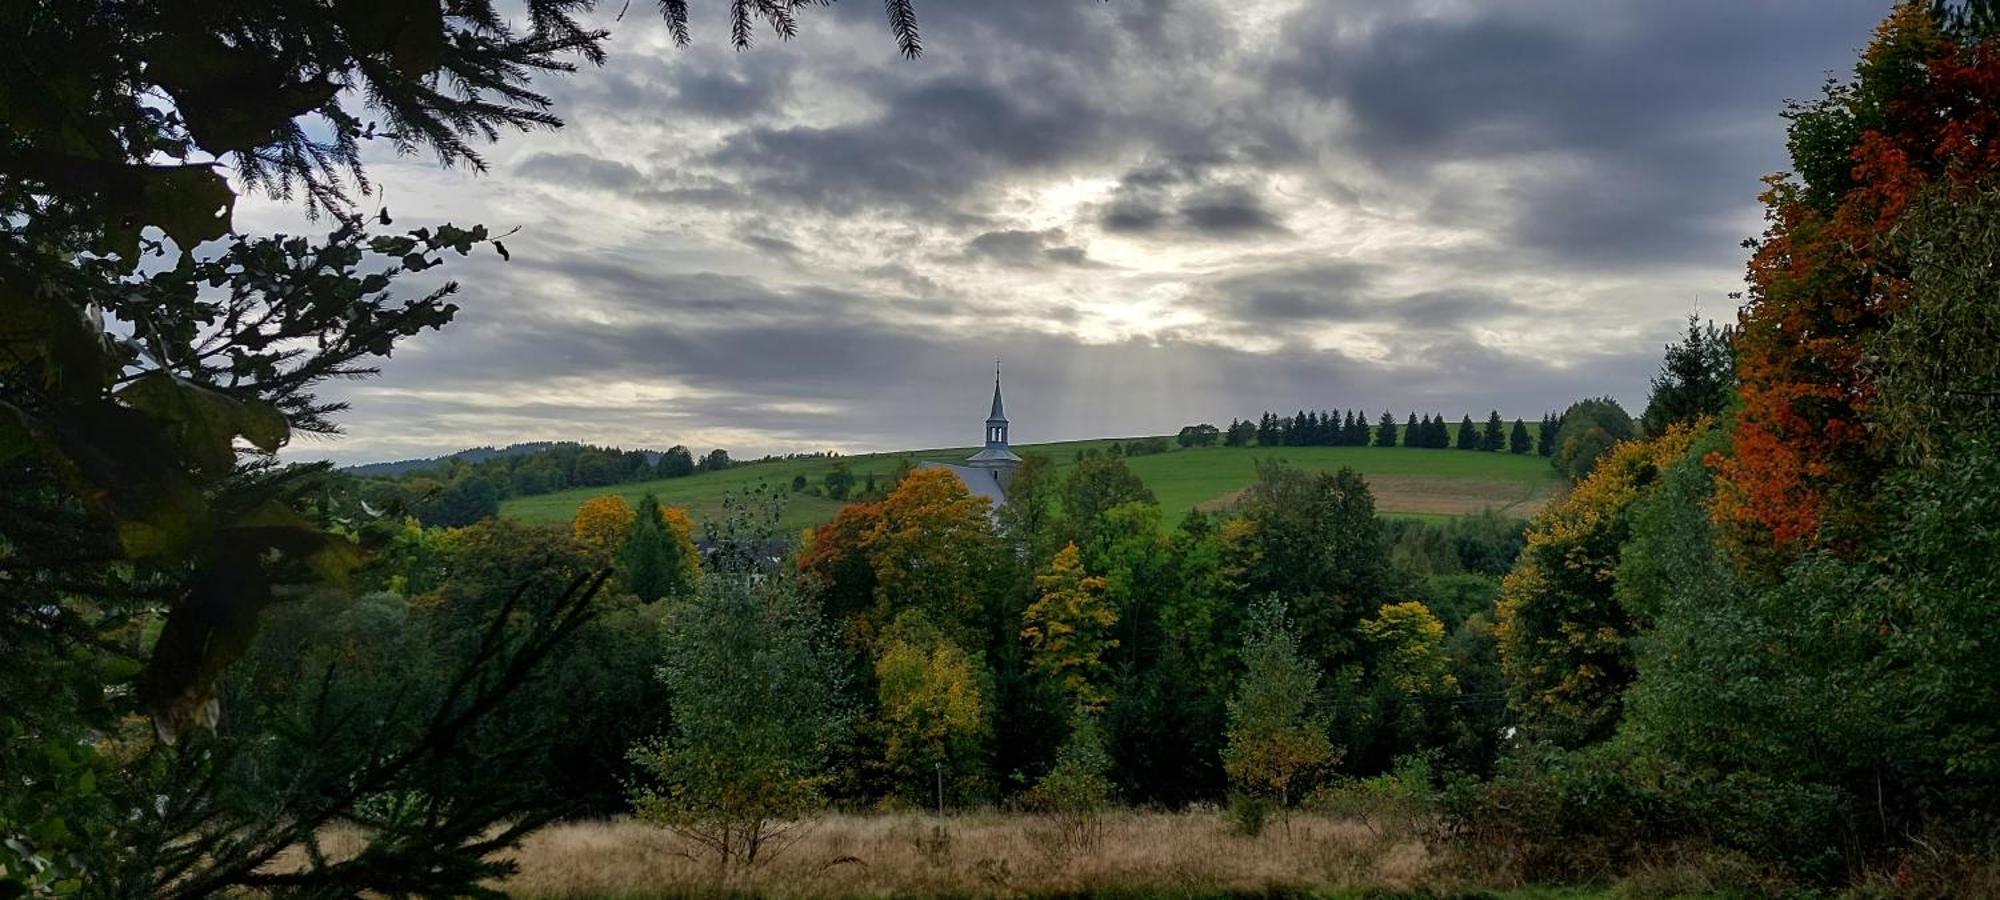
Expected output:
(935, 143)
(1190, 196)
(1015, 247)
(829, 226)
(1646, 124)
(578, 170)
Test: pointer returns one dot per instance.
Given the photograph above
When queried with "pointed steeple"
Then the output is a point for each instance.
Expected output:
(996, 455)
(998, 415)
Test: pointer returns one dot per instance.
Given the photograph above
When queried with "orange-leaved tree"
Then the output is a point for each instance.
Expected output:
(1923, 112)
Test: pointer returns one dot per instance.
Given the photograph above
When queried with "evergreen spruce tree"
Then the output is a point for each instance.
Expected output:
(1518, 440)
(1468, 434)
(650, 565)
(1440, 434)
(1696, 379)
(1300, 432)
(1413, 435)
(1385, 430)
(1494, 438)
(1545, 440)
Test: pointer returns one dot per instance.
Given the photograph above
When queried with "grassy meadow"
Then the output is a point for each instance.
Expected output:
(1406, 481)
(984, 854)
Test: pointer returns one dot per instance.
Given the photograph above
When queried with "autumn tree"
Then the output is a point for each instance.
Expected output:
(1833, 269)
(603, 523)
(1277, 740)
(1068, 630)
(1410, 667)
(1565, 640)
(932, 548)
(934, 702)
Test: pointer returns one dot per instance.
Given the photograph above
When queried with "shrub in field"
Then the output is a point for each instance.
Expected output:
(1248, 814)
(754, 683)
(1395, 804)
(1075, 792)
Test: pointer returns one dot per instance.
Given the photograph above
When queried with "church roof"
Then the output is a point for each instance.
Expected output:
(980, 482)
(998, 414)
(993, 454)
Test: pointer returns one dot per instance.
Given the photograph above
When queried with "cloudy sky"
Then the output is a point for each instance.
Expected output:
(1155, 211)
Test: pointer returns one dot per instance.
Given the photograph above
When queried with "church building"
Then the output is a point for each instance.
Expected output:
(988, 472)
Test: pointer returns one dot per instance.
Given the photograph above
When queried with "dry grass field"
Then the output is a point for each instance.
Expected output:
(986, 854)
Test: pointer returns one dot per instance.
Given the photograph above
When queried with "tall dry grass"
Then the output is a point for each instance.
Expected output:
(983, 854)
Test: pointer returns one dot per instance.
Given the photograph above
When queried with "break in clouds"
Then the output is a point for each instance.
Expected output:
(1155, 212)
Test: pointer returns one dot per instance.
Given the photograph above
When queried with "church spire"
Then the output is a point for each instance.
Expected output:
(996, 455)
(999, 415)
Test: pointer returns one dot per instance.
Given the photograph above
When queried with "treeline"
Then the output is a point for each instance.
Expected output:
(1332, 428)
(457, 492)
(1698, 374)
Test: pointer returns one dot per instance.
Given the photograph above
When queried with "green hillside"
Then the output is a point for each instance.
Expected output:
(1406, 481)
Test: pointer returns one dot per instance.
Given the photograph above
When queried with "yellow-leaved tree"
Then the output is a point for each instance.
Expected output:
(1068, 628)
(933, 697)
(1564, 638)
(603, 523)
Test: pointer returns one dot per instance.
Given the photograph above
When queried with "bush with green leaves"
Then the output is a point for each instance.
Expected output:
(756, 686)
(1075, 792)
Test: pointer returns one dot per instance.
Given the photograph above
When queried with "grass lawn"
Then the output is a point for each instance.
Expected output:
(1427, 484)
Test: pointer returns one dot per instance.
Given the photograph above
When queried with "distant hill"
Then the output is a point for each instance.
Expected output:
(1406, 481)
(472, 455)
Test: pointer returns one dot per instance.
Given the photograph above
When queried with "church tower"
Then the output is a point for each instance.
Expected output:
(996, 455)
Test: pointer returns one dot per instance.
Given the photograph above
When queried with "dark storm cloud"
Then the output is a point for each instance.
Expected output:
(1189, 196)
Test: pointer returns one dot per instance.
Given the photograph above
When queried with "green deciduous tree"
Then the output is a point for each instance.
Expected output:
(1277, 739)
(1312, 540)
(756, 691)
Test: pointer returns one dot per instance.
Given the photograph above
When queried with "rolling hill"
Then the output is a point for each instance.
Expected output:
(1406, 481)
